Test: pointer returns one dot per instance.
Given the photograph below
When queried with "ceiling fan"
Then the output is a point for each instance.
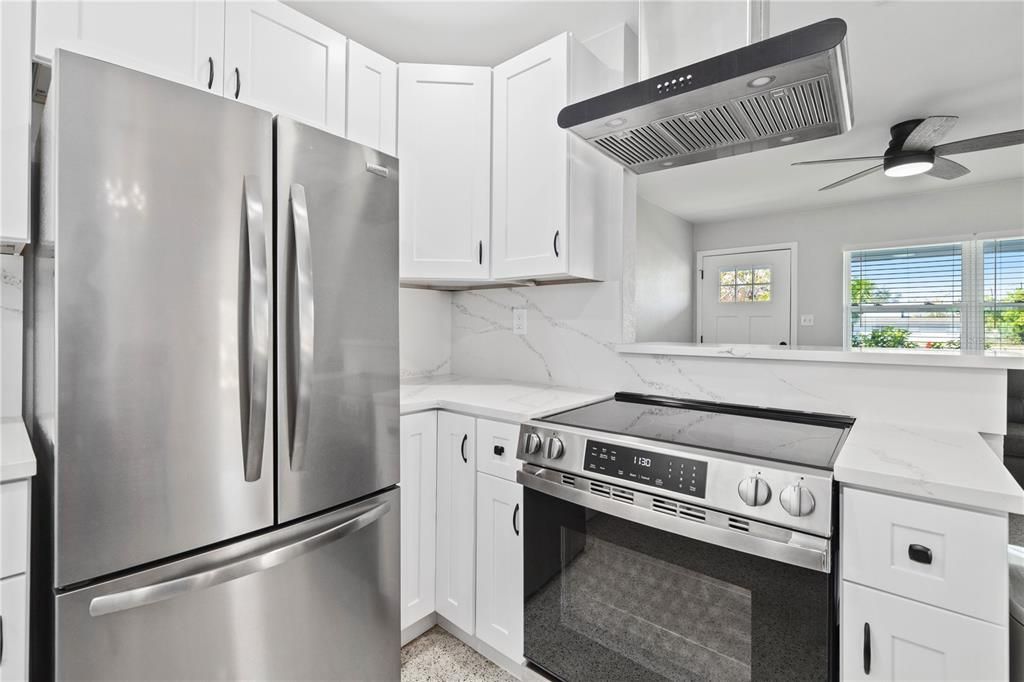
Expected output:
(912, 150)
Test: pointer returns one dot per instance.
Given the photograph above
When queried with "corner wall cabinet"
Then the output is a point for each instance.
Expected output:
(372, 99)
(444, 138)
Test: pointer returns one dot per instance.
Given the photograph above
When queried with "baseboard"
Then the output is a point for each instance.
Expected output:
(418, 628)
(514, 668)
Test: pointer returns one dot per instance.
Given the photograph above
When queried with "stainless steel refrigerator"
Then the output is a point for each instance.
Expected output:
(212, 388)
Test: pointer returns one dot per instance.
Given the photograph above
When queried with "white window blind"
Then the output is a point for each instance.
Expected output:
(1003, 295)
(906, 297)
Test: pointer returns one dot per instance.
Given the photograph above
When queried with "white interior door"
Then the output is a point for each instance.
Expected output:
(746, 297)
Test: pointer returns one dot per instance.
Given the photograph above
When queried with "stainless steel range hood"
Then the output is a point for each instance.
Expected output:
(787, 89)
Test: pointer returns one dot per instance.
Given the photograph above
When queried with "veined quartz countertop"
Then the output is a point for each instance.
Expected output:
(491, 398)
(941, 465)
(16, 457)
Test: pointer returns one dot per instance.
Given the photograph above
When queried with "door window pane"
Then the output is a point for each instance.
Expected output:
(745, 285)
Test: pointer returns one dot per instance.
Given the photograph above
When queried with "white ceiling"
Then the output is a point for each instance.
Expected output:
(478, 33)
(909, 59)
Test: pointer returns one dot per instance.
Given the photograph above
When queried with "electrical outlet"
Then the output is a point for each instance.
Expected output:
(519, 320)
(807, 320)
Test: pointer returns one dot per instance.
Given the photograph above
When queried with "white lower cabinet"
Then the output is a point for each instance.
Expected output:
(456, 525)
(13, 602)
(419, 502)
(499, 565)
(885, 637)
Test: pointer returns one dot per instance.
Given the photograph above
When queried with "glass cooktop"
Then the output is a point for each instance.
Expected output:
(801, 438)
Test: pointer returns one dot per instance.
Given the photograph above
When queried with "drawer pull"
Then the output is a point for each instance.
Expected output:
(920, 554)
(867, 649)
(499, 450)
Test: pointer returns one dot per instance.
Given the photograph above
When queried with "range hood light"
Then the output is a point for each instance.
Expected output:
(787, 138)
(615, 122)
(761, 81)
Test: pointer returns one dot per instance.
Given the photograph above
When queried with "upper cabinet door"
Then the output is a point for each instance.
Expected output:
(182, 40)
(444, 131)
(281, 60)
(531, 168)
(372, 99)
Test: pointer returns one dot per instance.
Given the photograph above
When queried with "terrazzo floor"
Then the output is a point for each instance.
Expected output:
(436, 656)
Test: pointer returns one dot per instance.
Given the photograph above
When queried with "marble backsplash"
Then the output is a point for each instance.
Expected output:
(425, 332)
(572, 331)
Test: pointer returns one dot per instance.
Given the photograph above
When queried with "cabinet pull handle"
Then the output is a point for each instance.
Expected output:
(554, 243)
(209, 83)
(515, 519)
(867, 649)
(462, 448)
(499, 450)
(480, 253)
(920, 554)
(238, 82)
(1, 639)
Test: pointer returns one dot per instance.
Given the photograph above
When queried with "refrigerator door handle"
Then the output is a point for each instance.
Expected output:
(254, 332)
(304, 275)
(232, 570)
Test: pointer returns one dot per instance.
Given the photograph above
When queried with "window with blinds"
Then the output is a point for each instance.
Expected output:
(906, 297)
(966, 295)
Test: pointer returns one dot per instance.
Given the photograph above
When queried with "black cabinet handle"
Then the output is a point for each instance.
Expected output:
(462, 448)
(515, 519)
(920, 554)
(867, 649)
(238, 82)
(480, 253)
(499, 450)
(554, 243)
(209, 83)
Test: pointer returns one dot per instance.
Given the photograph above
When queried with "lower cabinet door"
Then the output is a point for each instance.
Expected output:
(456, 512)
(499, 565)
(13, 666)
(885, 637)
(419, 501)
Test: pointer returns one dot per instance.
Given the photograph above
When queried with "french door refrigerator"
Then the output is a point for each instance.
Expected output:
(212, 390)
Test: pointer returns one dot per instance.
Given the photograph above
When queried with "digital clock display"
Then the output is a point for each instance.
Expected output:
(687, 476)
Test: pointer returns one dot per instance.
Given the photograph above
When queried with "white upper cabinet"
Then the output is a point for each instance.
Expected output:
(444, 132)
(372, 99)
(15, 123)
(499, 565)
(281, 60)
(181, 40)
(549, 213)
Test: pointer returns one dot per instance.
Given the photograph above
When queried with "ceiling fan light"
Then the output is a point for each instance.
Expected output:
(906, 165)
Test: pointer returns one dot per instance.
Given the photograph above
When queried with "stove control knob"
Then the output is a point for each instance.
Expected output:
(797, 500)
(555, 448)
(754, 491)
(531, 444)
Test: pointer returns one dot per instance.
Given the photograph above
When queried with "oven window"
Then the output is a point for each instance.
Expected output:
(607, 598)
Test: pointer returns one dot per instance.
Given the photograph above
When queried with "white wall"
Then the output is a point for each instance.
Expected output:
(424, 332)
(10, 335)
(823, 234)
(664, 275)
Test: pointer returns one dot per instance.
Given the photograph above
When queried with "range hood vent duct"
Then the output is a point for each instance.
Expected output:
(791, 88)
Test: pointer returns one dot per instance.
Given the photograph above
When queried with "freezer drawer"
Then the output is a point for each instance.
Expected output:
(314, 600)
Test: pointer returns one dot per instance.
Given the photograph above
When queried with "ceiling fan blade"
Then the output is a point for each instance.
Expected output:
(947, 170)
(977, 144)
(928, 133)
(853, 177)
(852, 158)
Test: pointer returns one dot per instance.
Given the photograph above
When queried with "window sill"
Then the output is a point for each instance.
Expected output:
(934, 358)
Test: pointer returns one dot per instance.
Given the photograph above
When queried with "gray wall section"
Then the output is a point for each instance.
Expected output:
(664, 275)
(823, 234)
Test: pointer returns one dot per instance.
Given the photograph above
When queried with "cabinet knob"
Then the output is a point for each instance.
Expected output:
(499, 450)
(920, 554)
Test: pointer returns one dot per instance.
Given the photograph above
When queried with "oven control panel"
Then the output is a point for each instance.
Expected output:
(656, 469)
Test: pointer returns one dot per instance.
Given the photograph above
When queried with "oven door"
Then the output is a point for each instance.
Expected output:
(640, 589)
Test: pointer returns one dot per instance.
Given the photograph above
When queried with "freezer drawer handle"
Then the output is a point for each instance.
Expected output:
(232, 570)
(304, 277)
(254, 332)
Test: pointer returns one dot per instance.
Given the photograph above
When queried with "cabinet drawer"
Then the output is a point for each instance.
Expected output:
(939, 555)
(13, 603)
(13, 527)
(496, 448)
(889, 638)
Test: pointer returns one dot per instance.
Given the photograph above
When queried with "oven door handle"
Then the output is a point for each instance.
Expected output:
(814, 554)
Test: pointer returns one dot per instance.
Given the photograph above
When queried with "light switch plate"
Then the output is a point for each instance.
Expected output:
(807, 320)
(519, 321)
